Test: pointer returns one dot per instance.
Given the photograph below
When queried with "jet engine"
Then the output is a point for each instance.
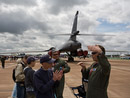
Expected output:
(82, 52)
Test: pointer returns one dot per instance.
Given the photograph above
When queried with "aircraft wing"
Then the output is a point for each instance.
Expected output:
(96, 34)
(27, 51)
(116, 51)
(2, 53)
(86, 34)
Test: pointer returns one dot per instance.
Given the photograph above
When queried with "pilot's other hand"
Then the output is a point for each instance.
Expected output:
(82, 65)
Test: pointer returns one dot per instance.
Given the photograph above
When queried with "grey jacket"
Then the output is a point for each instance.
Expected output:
(19, 72)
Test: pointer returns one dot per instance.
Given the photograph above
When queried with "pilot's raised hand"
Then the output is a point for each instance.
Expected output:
(94, 48)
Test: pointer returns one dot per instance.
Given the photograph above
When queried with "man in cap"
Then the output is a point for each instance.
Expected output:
(97, 74)
(45, 80)
(28, 71)
(60, 65)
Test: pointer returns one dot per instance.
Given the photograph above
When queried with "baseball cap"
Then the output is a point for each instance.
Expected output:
(46, 58)
(30, 59)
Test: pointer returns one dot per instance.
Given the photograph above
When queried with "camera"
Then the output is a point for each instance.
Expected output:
(60, 68)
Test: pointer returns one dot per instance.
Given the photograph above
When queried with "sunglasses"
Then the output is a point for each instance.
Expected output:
(94, 53)
(55, 54)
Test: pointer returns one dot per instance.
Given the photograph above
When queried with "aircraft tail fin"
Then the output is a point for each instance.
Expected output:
(74, 28)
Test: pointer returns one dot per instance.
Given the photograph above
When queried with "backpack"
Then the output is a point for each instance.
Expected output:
(13, 74)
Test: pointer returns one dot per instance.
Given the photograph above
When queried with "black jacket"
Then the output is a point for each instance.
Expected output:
(28, 71)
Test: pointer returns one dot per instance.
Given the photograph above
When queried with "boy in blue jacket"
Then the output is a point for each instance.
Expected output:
(45, 80)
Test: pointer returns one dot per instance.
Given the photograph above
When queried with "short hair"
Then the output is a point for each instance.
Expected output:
(30, 59)
(102, 48)
(25, 57)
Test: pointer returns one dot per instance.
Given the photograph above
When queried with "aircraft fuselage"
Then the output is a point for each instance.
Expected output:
(70, 45)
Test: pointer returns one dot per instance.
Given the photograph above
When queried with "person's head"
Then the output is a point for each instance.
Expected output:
(95, 54)
(24, 59)
(31, 61)
(46, 62)
(55, 54)
(102, 48)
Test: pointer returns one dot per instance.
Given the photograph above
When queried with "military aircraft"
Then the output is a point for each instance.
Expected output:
(72, 47)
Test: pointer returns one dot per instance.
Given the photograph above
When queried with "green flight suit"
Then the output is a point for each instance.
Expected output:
(98, 78)
(61, 63)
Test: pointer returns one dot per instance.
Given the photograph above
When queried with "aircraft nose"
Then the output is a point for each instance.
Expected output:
(64, 48)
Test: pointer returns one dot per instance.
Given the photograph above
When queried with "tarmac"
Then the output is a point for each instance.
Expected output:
(119, 85)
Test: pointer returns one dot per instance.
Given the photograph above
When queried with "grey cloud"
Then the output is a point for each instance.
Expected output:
(121, 41)
(6, 46)
(20, 45)
(19, 2)
(57, 5)
(18, 22)
(32, 38)
(86, 24)
(128, 46)
(100, 39)
(114, 45)
(12, 39)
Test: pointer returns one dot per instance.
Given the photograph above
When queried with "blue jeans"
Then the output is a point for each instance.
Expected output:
(20, 90)
(14, 93)
(55, 95)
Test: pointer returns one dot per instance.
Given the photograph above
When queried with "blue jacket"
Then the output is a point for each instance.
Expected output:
(44, 84)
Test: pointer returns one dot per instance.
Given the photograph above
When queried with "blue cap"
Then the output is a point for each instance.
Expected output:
(30, 59)
(46, 58)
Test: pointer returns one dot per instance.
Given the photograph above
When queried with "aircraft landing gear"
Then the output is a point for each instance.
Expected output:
(70, 59)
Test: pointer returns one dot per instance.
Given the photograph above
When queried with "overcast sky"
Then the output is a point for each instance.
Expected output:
(27, 25)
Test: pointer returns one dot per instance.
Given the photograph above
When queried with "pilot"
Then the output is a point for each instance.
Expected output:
(60, 65)
(97, 74)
